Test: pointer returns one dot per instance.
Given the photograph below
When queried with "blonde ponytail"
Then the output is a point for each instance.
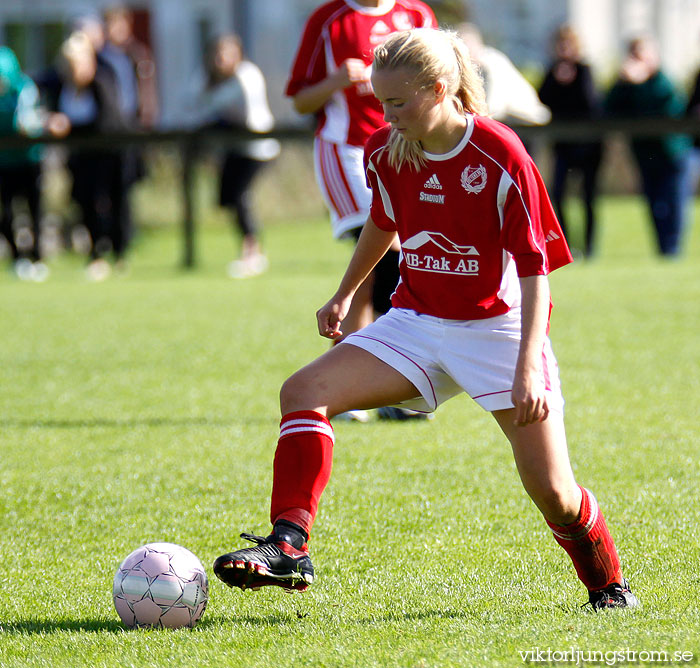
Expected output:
(470, 91)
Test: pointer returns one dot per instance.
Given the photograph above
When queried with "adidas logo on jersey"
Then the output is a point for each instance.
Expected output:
(433, 183)
(552, 236)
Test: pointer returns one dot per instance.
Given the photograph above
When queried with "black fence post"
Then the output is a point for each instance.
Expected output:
(187, 150)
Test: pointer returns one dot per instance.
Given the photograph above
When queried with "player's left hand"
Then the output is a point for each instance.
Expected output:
(529, 399)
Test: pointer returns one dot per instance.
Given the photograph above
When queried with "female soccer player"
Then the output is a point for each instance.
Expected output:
(471, 313)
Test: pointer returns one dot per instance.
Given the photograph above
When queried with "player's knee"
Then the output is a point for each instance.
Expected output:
(558, 503)
(287, 391)
(296, 393)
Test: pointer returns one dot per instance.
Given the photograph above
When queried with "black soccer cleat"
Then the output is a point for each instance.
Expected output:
(614, 596)
(273, 561)
(402, 414)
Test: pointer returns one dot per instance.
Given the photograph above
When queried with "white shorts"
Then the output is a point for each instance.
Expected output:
(443, 358)
(340, 173)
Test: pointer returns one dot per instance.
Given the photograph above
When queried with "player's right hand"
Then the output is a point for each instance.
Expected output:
(329, 317)
(352, 71)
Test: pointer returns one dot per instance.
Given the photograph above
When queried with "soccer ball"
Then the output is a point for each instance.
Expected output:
(160, 585)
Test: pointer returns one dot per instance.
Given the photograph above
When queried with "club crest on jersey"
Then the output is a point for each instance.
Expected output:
(473, 179)
(434, 252)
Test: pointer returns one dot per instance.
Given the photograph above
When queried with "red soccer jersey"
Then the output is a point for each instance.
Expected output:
(344, 29)
(470, 222)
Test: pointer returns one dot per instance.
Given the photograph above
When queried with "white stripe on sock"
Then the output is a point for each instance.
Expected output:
(586, 528)
(306, 425)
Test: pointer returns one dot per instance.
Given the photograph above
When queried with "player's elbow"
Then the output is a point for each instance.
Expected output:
(308, 101)
(300, 102)
(299, 106)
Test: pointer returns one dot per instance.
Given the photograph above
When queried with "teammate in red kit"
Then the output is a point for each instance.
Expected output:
(470, 314)
(330, 78)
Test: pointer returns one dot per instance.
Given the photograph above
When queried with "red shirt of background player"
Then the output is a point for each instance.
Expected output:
(339, 30)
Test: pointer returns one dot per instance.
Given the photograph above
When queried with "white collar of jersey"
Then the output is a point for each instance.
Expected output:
(372, 11)
(460, 146)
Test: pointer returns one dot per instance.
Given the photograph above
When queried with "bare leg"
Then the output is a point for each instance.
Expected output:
(344, 378)
(542, 459)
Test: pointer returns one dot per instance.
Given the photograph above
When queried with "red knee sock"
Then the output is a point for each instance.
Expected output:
(589, 544)
(302, 467)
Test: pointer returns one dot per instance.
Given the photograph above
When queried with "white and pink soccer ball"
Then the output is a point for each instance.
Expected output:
(160, 585)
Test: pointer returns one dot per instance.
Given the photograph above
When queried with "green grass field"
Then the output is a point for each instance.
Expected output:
(145, 409)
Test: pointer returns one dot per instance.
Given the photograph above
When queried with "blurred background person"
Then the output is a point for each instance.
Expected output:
(86, 102)
(510, 97)
(130, 67)
(693, 111)
(569, 91)
(235, 96)
(134, 66)
(644, 90)
(20, 169)
(134, 71)
(330, 78)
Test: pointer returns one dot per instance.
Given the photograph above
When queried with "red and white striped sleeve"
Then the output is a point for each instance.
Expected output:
(531, 232)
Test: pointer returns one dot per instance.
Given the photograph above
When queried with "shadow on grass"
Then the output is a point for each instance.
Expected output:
(91, 423)
(418, 616)
(49, 626)
(44, 626)
(271, 620)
